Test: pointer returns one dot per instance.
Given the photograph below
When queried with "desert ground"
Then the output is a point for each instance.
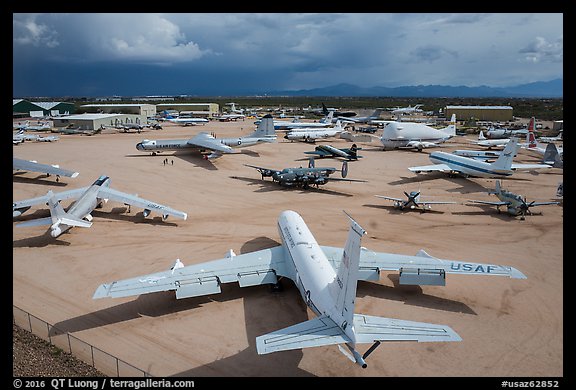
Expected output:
(509, 327)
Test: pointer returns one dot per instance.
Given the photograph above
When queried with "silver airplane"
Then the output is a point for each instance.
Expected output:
(326, 278)
(413, 202)
(88, 198)
(516, 205)
(33, 166)
(203, 141)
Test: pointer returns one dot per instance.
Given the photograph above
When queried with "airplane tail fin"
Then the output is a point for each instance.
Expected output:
(552, 157)
(451, 129)
(376, 113)
(265, 128)
(530, 137)
(504, 160)
(481, 136)
(343, 288)
(497, 188)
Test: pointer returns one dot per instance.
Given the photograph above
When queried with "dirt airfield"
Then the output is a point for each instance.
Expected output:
(509, 327)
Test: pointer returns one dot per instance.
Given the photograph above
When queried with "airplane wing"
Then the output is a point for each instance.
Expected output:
(205, 140)
(20, 207)
(25, 165)
(250, 269)
(532, 204)
(320, 153)
(109, 193)
(434, 202)
(499, 203)
(389, 198)
(430, 168)
(528, 166)
(371, 263)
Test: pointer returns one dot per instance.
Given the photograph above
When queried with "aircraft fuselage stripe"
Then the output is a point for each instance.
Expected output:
(450, 162)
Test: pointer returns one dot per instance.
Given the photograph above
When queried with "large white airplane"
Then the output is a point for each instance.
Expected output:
(33, 166)
(185, 120)
(311, 134)
(468, 166)
(407, 110)
(204, 141)
(87, 199)
(326, 278)
(295, 124)
(410, 135)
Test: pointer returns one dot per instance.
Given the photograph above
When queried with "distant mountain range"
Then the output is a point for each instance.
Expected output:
(540, 89)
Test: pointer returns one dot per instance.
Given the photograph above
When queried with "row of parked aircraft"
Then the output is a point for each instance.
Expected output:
(328, 284)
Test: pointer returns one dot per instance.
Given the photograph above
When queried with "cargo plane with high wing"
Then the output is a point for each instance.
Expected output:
(87, 199)
(326, 278)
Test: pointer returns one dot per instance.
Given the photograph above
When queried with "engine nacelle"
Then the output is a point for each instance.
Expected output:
(164, 217)
(56, 231)
(146, 212)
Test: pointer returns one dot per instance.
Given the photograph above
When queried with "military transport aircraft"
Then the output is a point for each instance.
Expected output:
(304, 177)
(326, 278)
(516, 205)
(413, 202)
(88, 198)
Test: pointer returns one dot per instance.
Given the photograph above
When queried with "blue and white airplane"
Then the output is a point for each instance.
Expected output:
(467, 166)
(326, 278)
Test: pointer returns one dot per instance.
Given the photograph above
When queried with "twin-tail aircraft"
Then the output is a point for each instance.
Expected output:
(87, 199)
(304, 177)
(326, 278)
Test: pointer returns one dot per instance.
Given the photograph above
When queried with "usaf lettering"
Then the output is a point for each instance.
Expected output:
(478, 268)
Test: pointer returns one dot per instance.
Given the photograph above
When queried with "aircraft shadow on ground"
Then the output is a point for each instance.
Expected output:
(491, 211)
(393, 210)
(39, 241)
(192, 157)
(410, 295)
(269, 185)
(38, 180)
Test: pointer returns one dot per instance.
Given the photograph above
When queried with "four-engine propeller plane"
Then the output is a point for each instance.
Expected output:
(516, 205)
(304, 177)
(87, 199)
(326, 278)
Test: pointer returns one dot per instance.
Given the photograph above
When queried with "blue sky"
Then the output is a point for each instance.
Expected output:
(93, 54)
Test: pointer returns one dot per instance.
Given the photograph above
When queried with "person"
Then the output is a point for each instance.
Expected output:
(172, 162)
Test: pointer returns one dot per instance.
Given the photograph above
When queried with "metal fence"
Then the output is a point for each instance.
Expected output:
(102, 361)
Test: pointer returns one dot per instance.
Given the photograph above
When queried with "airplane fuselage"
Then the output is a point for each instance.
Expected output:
(468, 166)
(399, 134)
(83, 206)
(182, 144)
(310, 269)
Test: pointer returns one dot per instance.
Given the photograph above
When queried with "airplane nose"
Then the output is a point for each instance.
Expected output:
(139, 146)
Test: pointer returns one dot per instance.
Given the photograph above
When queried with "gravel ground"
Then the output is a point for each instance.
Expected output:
(34, 357)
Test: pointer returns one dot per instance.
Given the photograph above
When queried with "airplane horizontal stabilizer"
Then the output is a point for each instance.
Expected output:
(312, 333)
(72, 221)
(369, 329)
